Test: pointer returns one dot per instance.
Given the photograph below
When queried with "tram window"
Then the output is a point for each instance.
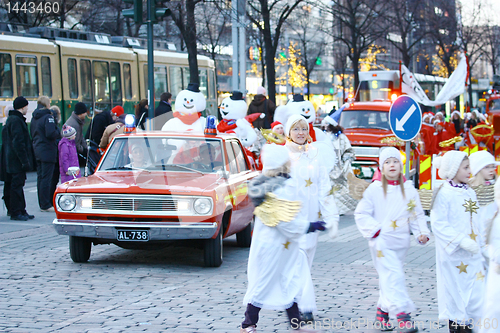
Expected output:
(211, 84)
(116, 83)
(175, 80)
(160, 76)
(27, 83)
(46, 79)
(101, 84)
(86, 80)
(185, 77)
(127, 81)
(6, 87)
(203, 82)
(72, 79)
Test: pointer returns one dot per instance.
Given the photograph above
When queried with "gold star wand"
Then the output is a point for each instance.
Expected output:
(472, 207)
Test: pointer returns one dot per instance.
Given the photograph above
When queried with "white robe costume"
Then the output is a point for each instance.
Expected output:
(344, 156)
(277, 271)
(460, 274)
(310, 167)
(491, 310)
(395, 217)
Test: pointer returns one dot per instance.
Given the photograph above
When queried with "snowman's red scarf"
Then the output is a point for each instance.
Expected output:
(187, 118)
(312, 133)
(226, 125)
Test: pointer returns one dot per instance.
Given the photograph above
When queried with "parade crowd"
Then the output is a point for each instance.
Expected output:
(303, 189)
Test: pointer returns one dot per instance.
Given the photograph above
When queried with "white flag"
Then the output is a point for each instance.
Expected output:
(454, 87)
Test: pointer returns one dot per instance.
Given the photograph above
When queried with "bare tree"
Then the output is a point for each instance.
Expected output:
(262, 13)
(491, 36)
(213, 29)
(309, 32)
(183, 14)
(257, 38)
(402, 22)
(357, 25)
(340, 56)
(470, 37)
(38, 12)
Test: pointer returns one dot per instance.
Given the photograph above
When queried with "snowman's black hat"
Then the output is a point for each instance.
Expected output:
(298, 98)
(194, 87)
(237, 96)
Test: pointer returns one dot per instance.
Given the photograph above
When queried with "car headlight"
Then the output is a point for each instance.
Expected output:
(67, 202)
(202, 206)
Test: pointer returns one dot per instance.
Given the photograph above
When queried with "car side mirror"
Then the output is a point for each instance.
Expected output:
(223, 174)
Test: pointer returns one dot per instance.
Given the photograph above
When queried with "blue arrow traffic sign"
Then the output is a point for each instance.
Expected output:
(405, 118)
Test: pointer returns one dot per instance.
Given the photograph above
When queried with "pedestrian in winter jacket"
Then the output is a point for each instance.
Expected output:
(16, 159)
(45, 135)
(67, 154)
(97, 126)
(113, 130)
(77, 120)
(261, 104)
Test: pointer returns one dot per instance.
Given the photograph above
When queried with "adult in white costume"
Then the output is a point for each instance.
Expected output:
(233, 110)
(459, 262)
(189, 104)
(311, 165)
(385, 216)
(491, 310)
(344, 156)
(276, 274)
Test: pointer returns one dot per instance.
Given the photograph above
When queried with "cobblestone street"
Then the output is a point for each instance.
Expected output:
(120, 290)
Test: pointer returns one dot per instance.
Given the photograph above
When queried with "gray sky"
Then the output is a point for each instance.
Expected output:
(491, 9)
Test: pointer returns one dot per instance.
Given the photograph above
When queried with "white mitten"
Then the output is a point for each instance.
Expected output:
(469, 245)
(333, 230)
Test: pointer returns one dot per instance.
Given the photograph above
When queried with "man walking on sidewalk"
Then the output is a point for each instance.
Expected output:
(17, 159)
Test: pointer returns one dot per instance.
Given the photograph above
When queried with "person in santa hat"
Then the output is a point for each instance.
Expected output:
(459, 262)
(278, 128)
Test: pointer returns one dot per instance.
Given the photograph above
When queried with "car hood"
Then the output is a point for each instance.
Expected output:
(367, 136)
(143, 183)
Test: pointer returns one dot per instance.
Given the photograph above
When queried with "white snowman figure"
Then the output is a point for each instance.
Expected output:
(233, 110)
(189, 104)
(306, 109)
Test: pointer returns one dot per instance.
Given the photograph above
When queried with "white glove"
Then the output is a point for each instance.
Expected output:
(333, 230)
(469, 245)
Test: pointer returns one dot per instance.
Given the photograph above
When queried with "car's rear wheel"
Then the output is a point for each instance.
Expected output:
(244, 237)
(213, 251)
(79, 248)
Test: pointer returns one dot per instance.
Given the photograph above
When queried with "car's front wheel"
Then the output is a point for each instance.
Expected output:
(244, 237)
(79, 248)
(213, 251)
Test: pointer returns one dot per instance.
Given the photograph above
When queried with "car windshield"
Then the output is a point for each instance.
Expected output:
(365, 119)
(164, 154)
(494, 104)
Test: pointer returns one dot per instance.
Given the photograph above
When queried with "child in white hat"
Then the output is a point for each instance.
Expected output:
(389, 211)
(491, 310)
(459, 263)
(276, 273)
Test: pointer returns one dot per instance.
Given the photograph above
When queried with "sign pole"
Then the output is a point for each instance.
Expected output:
(151, 82)
(408, 153)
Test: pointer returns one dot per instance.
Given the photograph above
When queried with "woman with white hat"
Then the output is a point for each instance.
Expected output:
(389, 211)
(459, 262)
(311, 163)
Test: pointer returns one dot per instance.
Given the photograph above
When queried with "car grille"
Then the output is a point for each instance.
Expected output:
(133, 204)
(366, 151)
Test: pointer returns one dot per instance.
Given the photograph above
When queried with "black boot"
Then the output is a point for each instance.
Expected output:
(454, 327)
(308, 317)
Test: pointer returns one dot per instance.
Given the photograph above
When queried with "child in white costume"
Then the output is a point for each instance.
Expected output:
(491, 310)
(483, 168)
(459, 263)
(389, 210)
(275, 272)
(311, 164)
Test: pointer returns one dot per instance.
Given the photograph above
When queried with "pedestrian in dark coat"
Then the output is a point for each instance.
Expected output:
(97, 126)
(17, 159)
(141, 113)
(45, 135)
(77, 120)
(261, 104)
(163, 112)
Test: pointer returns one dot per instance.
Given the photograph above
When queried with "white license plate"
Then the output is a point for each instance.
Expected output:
(132, 235)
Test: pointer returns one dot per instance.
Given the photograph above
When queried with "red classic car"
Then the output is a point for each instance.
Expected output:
(153, 187)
